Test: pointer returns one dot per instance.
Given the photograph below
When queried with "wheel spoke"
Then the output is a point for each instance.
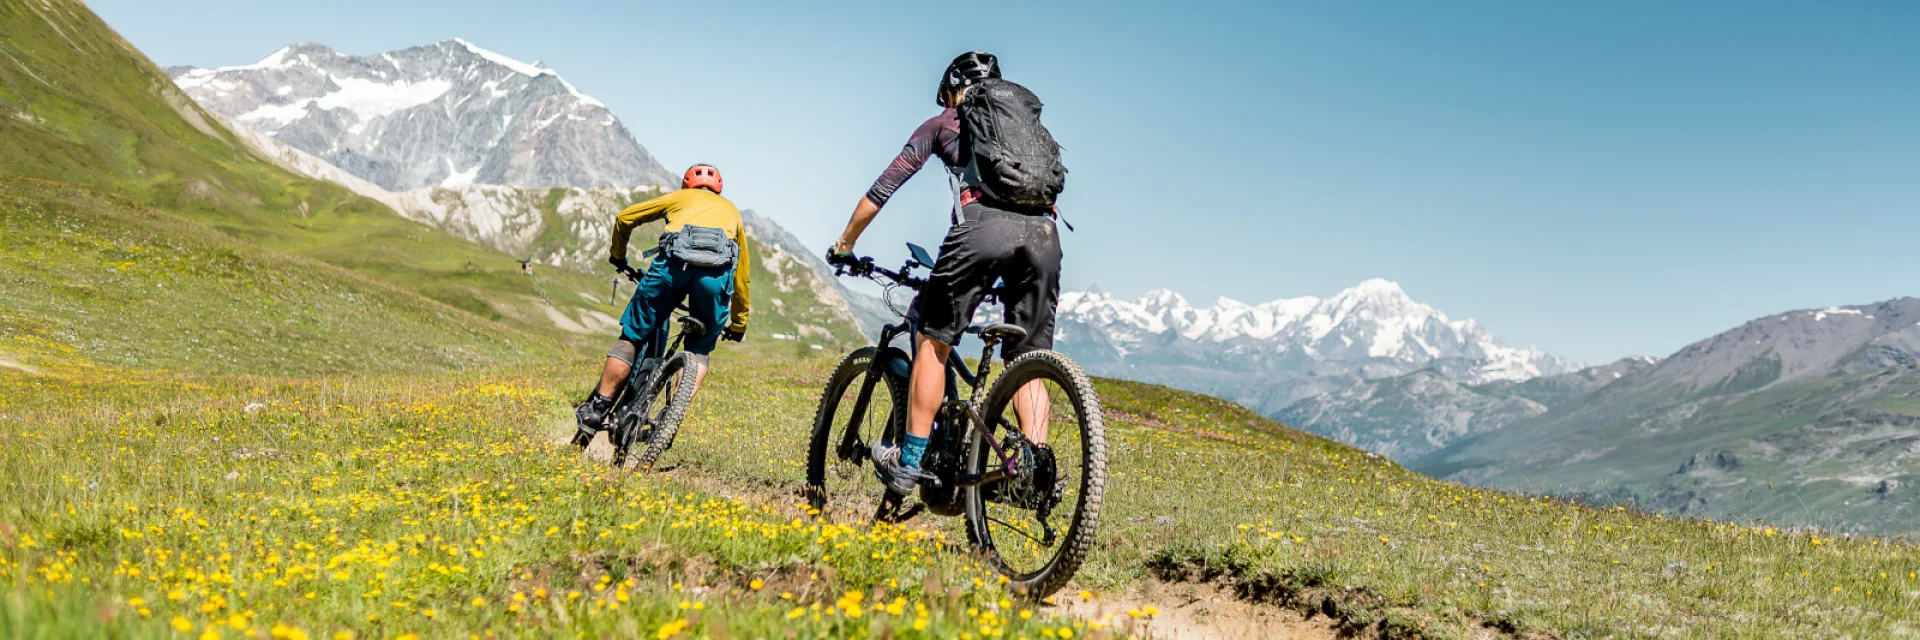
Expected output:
(1010, 526)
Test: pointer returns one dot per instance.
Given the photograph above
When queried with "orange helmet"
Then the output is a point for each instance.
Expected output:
(702, 175)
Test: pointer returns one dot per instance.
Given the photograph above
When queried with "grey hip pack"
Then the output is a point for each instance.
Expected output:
(700, 247)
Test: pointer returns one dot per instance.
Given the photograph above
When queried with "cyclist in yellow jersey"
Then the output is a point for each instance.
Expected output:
(712, 289)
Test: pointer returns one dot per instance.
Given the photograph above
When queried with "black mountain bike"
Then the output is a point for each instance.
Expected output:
(651, 404)
(1031, 510)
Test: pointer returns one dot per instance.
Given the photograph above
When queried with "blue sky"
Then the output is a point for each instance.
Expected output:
(1601, 180)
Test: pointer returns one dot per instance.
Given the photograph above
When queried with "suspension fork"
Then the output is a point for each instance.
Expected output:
(876, 368)
(849, 446)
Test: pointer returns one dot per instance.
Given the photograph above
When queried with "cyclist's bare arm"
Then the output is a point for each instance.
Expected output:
(863, 215)
(938, 137)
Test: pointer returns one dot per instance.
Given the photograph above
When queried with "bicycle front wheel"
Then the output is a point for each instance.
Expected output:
(669, 395)
(1042, 423)
(858, 407)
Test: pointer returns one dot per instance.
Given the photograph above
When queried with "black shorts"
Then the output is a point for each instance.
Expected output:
(991, 245)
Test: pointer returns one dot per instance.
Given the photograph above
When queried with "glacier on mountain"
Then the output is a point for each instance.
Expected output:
(1271, 354)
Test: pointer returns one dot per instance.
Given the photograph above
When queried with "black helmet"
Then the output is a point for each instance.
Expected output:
(964, 70)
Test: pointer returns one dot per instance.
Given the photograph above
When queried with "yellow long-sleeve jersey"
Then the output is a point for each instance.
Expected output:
(700, 208)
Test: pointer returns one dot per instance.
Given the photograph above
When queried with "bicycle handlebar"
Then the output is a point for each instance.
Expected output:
(859, 267)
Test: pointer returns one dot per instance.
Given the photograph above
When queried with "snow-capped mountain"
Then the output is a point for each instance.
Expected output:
(500, 152)
(1271, 354)
(449, 114)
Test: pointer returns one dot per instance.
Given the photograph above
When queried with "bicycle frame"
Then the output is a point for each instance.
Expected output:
(956, 413)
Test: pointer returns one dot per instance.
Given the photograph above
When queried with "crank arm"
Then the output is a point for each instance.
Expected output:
(974, 480)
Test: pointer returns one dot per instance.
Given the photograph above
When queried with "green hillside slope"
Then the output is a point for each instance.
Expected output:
(91, 275)
(1834, 452)
(80, 105)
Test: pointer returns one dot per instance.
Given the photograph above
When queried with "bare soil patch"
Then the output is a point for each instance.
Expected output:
(1157, 609)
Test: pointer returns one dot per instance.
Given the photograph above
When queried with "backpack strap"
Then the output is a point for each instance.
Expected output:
(958, 186)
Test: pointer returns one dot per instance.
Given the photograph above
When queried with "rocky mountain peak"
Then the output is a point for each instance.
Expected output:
(450, 114)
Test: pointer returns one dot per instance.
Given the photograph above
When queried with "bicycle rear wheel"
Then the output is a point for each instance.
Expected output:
(669, 395)
(1036, 527)
(857, 408)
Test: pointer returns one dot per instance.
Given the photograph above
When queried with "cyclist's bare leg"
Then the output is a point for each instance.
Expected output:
(611, 376)
(699, 374)
(928, 384)
(1032, 405)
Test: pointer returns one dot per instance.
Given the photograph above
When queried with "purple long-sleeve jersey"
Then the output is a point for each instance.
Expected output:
(939, 135)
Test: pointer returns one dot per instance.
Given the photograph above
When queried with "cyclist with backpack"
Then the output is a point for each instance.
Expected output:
(702, 259)
(1005, 171)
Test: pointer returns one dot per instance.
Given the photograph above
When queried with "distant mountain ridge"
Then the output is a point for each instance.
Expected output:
(1270, 355)
(1410, 416)
(1809, 416)
(450, 114)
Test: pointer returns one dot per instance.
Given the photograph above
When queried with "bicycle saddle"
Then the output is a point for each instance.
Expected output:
(1001, 332)
(694, 328)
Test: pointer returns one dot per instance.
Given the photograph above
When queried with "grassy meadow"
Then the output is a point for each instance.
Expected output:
(238, 403)
(146, 503)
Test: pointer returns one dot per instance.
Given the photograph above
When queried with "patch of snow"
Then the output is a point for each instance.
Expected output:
(457, 179)
(278, 114)
(517, 66)
(283, 90)
(585, 99)
(273, 60)
(1834, 311)
(528, 70)
(369, 99)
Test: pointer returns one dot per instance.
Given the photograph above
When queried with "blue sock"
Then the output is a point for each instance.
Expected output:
(910, 454)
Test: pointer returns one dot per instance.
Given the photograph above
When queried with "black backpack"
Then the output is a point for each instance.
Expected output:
(1009, 153)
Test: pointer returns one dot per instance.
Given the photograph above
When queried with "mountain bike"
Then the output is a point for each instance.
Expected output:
(1010, 489)
(651, 404)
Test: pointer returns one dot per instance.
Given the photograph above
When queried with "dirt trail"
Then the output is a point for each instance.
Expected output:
(1180, 609)
(1155, 609)
(9, 364)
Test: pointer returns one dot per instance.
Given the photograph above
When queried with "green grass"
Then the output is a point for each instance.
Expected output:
(356, 503)
(90, 274)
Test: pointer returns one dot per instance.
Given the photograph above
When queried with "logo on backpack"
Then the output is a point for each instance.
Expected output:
(1013, 156)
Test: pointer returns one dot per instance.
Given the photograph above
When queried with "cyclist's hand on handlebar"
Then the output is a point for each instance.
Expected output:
(620, 264)
(837, 256)
(733, 336)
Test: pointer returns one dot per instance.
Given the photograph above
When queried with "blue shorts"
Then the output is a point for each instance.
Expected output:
(708, 292)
